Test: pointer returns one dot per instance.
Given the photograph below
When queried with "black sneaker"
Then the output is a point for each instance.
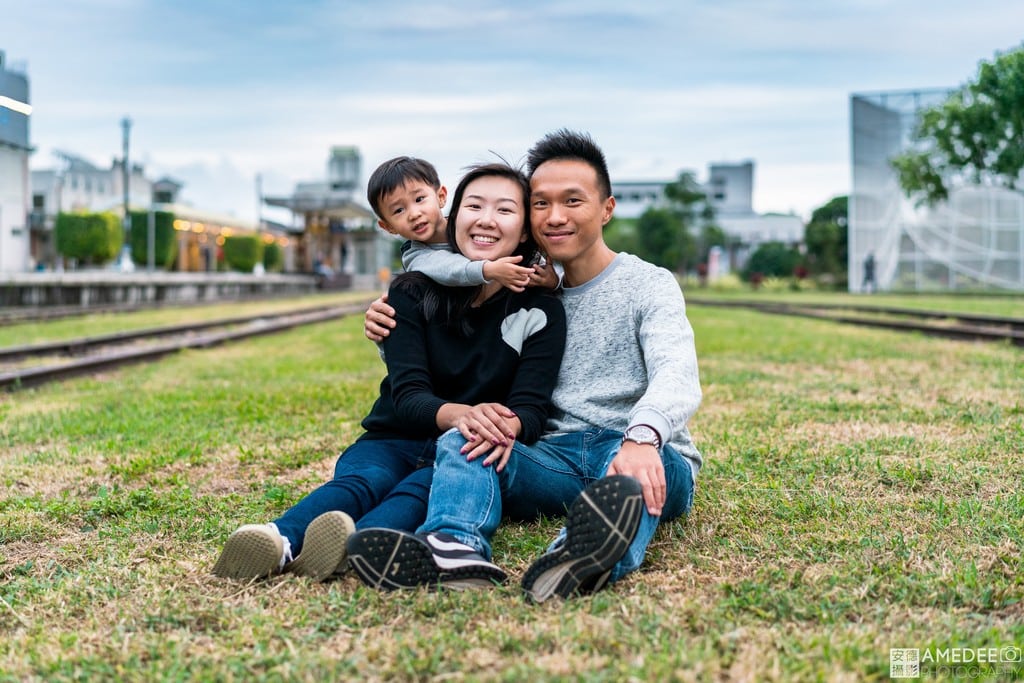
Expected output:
(602, 522)
(389, 559)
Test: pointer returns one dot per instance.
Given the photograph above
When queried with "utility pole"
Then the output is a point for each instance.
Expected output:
(259, 202)
(126, 175)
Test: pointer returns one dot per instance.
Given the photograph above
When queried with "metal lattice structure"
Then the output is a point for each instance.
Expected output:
(975, 240)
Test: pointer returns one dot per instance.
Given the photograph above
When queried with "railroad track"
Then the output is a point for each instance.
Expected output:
(89, 354)
(31, 314)
(948, 324)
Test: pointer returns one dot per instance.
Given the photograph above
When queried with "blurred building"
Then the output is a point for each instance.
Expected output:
(15, 234)
(339, 235)
(730, 192)
(975, 240)
(76, 184)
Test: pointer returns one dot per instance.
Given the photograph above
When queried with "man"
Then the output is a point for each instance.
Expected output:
(617, 451)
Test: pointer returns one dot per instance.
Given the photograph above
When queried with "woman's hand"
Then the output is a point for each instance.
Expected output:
(491, 429)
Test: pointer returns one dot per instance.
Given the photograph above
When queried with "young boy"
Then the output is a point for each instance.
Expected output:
(407, 196)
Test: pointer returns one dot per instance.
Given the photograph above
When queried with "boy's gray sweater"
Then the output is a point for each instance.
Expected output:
(629, 356)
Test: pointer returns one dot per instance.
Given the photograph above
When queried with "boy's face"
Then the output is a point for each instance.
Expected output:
(567, 211)
(413, 211)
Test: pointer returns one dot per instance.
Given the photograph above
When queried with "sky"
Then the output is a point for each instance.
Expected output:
(220, 92)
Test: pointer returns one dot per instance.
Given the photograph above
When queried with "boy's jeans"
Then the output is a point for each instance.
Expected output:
(468, 500)
(377, 482)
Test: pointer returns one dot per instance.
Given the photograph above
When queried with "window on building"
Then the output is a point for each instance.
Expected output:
(39, 201)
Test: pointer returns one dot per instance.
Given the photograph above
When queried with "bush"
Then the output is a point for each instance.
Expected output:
(90, 238)
(771, 259)
(273, 257)
(243, 252)
(165, 239)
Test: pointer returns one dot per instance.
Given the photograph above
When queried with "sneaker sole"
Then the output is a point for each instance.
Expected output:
(248, 554)
(323, 549)
(601, 524)
(390, 560)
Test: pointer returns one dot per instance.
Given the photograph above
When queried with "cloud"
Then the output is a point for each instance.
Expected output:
(238, 89)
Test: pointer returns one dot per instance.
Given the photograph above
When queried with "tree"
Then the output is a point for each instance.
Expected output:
(620, 234)
(771, 259)
(826, 239)
(165, 239)
(975, 136)
(90, 238)
(243, 252)
(661, 238)
(666, 235)
(711, 236)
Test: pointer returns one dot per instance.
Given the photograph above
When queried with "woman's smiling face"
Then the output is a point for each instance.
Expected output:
(491, 218)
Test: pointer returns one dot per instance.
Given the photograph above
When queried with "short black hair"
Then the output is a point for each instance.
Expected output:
(395, 172)
(571, 145)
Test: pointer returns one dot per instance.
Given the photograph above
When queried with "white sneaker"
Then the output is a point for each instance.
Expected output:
(252, 551)
(323, 549)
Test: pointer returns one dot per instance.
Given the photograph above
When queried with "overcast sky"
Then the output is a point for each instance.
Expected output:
(219, 91)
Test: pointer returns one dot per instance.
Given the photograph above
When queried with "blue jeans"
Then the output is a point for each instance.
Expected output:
(468, 500)
(378, 482)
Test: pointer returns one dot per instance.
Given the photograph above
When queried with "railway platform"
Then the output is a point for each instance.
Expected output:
(94, 288)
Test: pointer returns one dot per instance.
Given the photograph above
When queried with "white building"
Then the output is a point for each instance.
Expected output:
(14, 176)
(975, 240)
(730, 191)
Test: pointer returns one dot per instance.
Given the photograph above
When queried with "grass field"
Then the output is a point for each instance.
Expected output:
(862, 492)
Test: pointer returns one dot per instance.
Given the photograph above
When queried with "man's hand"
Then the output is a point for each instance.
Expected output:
(643, 463)
(508, 273)
(380, 320)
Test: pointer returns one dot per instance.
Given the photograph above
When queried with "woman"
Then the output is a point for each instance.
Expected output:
(482, 360)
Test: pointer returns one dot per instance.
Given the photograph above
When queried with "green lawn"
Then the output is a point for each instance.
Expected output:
(862, 492)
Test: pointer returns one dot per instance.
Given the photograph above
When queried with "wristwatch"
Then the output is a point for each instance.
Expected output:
(645, 434)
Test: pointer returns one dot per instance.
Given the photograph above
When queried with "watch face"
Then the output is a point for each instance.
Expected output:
(642, 434)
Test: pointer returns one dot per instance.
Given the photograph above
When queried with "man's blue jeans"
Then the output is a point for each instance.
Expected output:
(468, 500)
(378, 482)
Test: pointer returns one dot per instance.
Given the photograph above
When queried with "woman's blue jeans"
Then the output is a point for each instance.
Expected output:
(468, 500)
(378, 482)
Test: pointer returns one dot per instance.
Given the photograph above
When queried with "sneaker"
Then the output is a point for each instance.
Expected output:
(323, 549)
(253, 551)
(389, 559)
(602, 522)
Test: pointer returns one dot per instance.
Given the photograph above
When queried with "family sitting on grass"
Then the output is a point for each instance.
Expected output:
(511, 391)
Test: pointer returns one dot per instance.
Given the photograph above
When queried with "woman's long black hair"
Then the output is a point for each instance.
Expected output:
(452, 303)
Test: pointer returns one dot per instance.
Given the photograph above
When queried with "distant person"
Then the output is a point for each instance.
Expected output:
(617, 452)
(868, 284)
(481, 360)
